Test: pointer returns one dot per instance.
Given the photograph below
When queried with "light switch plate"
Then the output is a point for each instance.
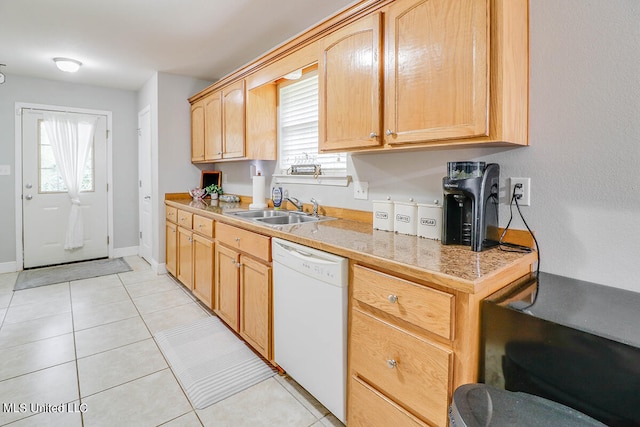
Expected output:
(360, 190)
(5, 169)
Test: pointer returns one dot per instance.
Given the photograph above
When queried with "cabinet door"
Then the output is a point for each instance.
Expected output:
(226, 285)
(233, 124)
(203, 269)
(255, 304)
(172, 248)
(197, 132)
(437, 72)
(350, 83)
(411, 371)
(213, 126)
(185, 257)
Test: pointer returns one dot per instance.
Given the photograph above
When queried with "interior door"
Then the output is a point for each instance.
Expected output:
(144, 182)
(45, 202)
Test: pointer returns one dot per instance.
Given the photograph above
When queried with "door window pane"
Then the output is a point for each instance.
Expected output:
(50, 179)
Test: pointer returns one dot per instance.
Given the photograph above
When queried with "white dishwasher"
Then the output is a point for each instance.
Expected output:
(310, 321)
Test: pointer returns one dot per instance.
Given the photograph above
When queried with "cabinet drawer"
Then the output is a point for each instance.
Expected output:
(203, 225)
(243, 240)
(368, 408)
(427, 308)
(185, 219)
(411, 371)
(171, 213)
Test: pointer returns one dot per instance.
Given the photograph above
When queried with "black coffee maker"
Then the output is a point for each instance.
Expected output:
(470, 215)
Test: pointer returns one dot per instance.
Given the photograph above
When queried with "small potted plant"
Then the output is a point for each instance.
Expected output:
(215, 190)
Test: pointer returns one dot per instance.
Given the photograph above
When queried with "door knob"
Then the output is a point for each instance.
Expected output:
(28, 197)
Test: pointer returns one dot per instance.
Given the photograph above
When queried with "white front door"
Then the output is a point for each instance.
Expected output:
(144, 183)
(46, 204)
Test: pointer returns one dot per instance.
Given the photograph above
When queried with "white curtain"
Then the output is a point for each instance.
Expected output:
(71, 137)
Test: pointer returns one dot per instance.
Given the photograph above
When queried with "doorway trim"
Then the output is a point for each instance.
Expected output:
(19, 106)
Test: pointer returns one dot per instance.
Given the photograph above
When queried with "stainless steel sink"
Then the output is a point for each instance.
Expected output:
(278, 217)
(267, 213)
(289, 219)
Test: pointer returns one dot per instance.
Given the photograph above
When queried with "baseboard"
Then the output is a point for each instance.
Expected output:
(160, 268)
(8, 267)
(121, 252)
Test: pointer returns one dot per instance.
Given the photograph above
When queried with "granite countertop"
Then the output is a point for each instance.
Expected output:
(452, 266)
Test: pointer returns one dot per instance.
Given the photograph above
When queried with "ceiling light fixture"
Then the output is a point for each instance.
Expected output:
(67, 65)
(2, 77)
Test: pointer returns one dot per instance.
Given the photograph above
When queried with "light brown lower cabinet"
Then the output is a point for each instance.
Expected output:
(399, 369)
(255, 304)
(185, 257)
(243, 286)
(227, 279)
(203, 269)
(172, 248)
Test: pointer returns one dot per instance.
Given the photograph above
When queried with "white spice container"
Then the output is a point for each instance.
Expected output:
(383, 215)
(429, 221)
(405, 217)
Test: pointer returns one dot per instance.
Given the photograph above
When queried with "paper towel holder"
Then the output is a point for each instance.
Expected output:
(210, 177)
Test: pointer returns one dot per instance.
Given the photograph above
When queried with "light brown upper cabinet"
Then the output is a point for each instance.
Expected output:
(450, 72)
(197, 131)
(213, 126)
(233, 120)
(437, 76)
(350, 86)
(218, 125)
(394, 75)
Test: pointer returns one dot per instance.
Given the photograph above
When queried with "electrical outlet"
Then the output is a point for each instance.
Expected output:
(523, 194)
(360, 190)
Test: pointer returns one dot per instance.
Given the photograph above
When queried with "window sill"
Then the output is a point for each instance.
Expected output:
(333, 180)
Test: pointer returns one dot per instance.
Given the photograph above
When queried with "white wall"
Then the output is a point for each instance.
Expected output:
(171, 168)
(584, 146)
(121, 103)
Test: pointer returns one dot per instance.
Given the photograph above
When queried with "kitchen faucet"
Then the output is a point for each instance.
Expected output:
(315, 207)
(295, 202)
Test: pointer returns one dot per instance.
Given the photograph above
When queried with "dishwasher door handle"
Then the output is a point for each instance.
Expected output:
(308, 256)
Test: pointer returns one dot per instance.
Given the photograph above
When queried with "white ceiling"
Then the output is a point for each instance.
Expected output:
(122, 43)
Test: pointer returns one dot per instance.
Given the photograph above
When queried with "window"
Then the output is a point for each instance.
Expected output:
(50, 179)
(298, 127)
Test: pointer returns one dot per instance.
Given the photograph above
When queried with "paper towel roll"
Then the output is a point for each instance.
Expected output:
(258, 193)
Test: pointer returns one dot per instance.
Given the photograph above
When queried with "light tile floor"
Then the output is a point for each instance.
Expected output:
(82, 353)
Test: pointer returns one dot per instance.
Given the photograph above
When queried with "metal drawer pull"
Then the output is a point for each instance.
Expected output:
(393, 299)
(391, 363)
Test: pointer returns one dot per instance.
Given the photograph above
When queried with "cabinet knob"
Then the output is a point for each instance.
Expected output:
(373, 135)
(391, 363)
(239, 265)
(393, 299)
(389, 132)
(237, 239)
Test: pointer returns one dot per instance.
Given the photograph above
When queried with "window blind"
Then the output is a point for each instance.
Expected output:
(298, 127)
